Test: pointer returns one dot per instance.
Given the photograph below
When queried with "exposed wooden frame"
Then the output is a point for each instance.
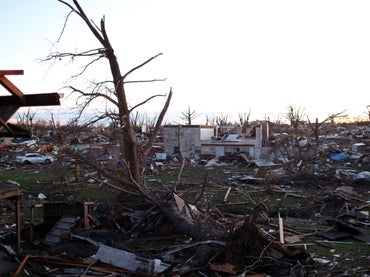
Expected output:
(14, 193)
(10, 104)
(16, 92)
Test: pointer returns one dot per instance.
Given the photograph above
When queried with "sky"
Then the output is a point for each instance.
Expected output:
(219, 57)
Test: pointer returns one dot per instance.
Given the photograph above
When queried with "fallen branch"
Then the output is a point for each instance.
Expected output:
(232, 204)
(203, 188)
(182, 247)
(227, 194)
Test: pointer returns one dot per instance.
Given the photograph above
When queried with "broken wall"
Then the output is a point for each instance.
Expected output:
(190, 137)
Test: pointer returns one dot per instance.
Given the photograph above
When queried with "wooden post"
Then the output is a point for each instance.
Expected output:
(77, 171)
(281, 230)
(18, 220)
(21, 266)
(32, 222)
(35, 206)
(86, 214)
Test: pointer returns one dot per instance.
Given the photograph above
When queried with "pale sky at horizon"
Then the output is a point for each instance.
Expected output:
(219, 57)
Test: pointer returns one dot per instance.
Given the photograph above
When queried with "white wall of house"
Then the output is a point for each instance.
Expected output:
(259, 138)
(197, 140)
(234, 143)
(221, 149)
(190, 139)
(206, 133)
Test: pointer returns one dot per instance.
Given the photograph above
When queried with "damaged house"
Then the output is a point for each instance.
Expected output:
(190, 136)
(198, 140)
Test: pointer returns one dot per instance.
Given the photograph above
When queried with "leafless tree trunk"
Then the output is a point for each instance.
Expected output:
(221, 119)
(189, 115)
(244, 118)
(133, 153)
(181, 159)
(210, 120)
(27, 118)
(316, 126)
(295, 116)
(129, 180)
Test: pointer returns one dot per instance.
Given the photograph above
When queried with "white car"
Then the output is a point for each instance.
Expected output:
(34, 158)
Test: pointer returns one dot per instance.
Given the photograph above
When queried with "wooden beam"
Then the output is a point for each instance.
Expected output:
(18, 227)
(7, 128)
(15, 131)
(6, 83)
(10, 194)
(11, 72)
(42, 99)
(21, 266)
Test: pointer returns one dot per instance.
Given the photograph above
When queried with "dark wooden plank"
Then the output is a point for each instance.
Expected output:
(9, 190)
(12, 130)
(11, 72)
(42, 99)
(6, 83)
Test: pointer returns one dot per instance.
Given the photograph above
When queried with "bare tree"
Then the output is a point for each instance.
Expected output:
(244, 118)
(210, 120)
(295, 115)
(141, 121)
(315, 127)
(276, 123)
(26, 118)
(114, 93)
(189, 115)
(221, 119)
(129, 179)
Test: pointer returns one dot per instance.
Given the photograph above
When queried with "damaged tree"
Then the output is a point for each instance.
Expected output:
(133, 153)
(128, 181)
(198, 224)
(316, 126)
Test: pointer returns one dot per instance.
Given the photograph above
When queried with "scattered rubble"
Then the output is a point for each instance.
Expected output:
(265, 217)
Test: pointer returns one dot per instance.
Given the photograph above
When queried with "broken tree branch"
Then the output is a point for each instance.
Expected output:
(140, 65)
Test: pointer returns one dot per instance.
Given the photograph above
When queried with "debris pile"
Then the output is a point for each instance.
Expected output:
(97, 239)
(252, 217)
